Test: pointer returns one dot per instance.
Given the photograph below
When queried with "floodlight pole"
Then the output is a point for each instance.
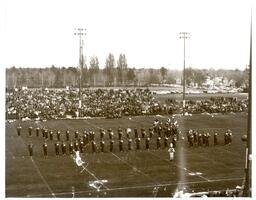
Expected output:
(184, 36)
(248, 172)
(80, 32)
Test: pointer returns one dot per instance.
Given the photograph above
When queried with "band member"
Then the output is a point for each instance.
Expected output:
(45, 149)
(30, 131)
(102, 133)
(147, 142)
(191, 140)
(92, 134)
(195, 134)
(165, 131)
(207, 138)
(158, 145)
(174, 141)
(189, 133)
(204, 138)
(159, 130)
(226, 138)
(85, 139)
(81, 146)
(37, 131)
(76, 145)
(46, 134)
(215, 139)
(137, 143)
(128, 133)
(102, 144)
(76, 134)
(135, 133)
(58, 135)
(156, 123)
(111, 145)
(19, 130)
(30, 149)
(51, 135)
(93, 147)
(199, 141)
(110, 134)
(121, 145)
(143, 133)
(151, 132)
(71, 148)
(43, 132)
(63, 148)
(129, 144)
(57, 149)
(67, 135)
(171, 151)
(165, 141)
(169, 132)
(78, 159)
(229, 137)
(120, 134)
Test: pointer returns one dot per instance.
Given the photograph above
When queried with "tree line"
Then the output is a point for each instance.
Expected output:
(114, 73)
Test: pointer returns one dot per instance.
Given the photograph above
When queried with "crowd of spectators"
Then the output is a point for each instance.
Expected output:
(50, 104)
(212, 105)
(109, 103)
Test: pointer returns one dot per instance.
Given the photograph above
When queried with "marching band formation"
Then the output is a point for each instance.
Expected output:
(160, 135)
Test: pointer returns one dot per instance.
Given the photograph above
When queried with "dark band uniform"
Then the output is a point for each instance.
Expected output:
(30, 149)
(19, 130)
(45, 149)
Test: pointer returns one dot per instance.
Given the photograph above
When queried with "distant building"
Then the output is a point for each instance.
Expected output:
(232, 83)
(192, 84)
(225, 81)
(208, 82)
(217, 81)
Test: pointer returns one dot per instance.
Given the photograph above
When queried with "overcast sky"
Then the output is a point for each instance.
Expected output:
(41, 33)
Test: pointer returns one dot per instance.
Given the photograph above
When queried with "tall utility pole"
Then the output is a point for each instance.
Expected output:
(80, 32)
(184, 36)
(248, 162)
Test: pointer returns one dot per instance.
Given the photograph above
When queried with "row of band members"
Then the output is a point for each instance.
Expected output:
(63, 148)
(90, 135)
(194, 138)
(80, 144)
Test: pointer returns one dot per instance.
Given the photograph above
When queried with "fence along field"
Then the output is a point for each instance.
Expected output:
(130, 173)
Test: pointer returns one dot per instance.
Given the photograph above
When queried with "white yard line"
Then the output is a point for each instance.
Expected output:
(230, 152)
(91, 124)
(42, 177)
(38, 171)
(203, 157)
(92, 174)
(183, 168)
(89, 172)
(143, 186)
(135, 168)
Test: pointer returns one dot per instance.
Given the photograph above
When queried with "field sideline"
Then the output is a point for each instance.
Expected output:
(133, 173)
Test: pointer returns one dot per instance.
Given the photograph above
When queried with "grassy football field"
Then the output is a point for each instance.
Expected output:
(134, 173)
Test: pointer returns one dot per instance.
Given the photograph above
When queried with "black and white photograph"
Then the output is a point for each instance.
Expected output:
(127, 99)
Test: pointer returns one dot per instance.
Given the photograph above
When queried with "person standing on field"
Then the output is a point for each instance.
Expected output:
(171, 151)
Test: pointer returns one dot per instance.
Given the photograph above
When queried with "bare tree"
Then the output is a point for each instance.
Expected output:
(110, 69)
(121, 69)
(94, 69)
